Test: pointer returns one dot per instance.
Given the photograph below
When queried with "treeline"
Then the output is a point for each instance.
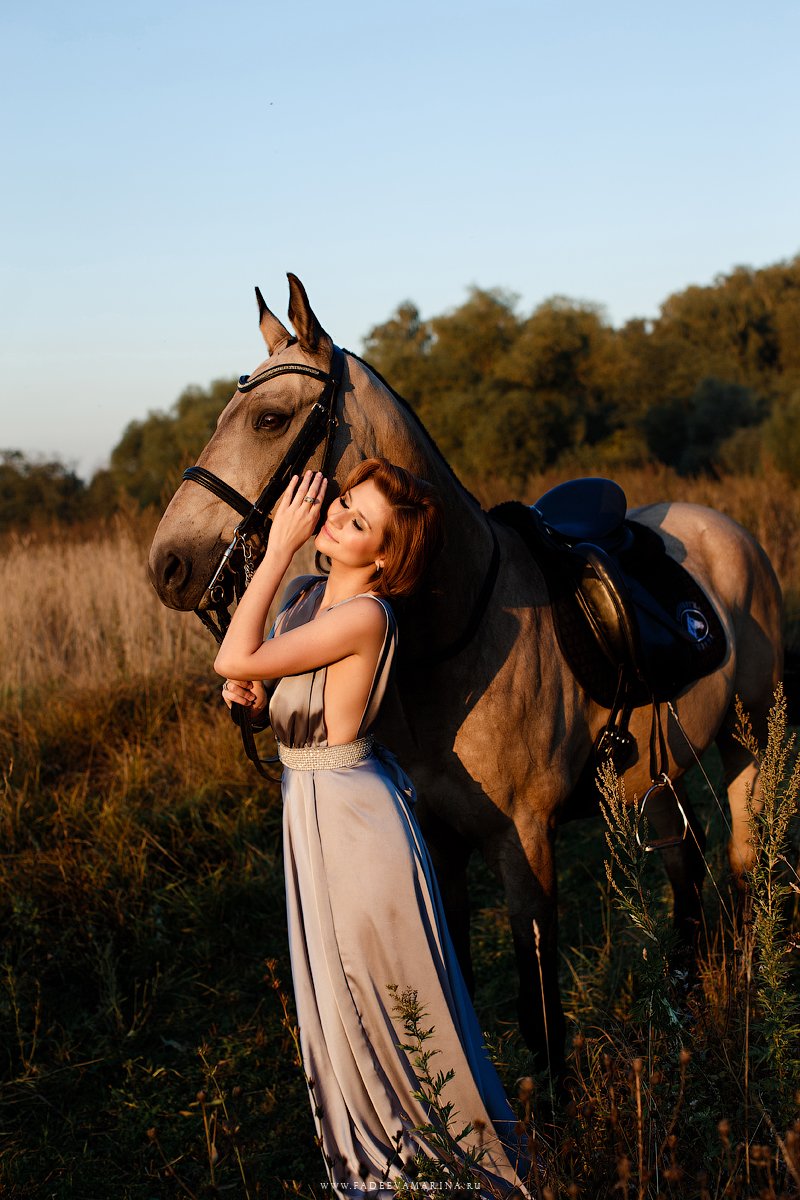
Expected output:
(144, 469)
(710, 386)
(31, 492)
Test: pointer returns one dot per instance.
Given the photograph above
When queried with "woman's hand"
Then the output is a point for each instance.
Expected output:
(296, 518)
(297, 515)
(252, 694)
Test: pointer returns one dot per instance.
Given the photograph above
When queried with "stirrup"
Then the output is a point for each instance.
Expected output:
(659, 785)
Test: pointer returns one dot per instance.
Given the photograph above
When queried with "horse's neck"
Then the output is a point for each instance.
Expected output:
(379, 424)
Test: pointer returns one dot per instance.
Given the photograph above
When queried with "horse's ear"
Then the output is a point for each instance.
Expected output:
(310, 334)
(273, 331)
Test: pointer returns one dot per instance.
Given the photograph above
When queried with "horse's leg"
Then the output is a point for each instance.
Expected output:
(759, 666)
(684, 864)
(758, 670)
(743, 784)
(524, 858)
(450, 855)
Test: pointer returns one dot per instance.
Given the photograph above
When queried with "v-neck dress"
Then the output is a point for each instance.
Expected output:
(364, 912)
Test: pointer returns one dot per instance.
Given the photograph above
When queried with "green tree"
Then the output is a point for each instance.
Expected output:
(398, 350)
(504, 393)
(148, 460)
(742, 328)
(687, 434)
(35, 492)
(781, 436)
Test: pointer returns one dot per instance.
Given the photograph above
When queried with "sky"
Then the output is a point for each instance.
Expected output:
(161, 159)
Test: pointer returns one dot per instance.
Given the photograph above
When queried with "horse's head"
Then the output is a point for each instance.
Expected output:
(253, 434)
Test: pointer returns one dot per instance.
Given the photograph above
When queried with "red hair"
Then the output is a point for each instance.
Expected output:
(414, 528)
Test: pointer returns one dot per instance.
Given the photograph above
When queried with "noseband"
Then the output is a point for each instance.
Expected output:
(237, 563)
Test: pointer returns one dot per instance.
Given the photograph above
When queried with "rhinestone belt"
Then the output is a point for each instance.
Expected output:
(325, 758)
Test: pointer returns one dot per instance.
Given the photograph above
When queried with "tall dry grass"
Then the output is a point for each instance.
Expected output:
(77, 609)
(83, 613)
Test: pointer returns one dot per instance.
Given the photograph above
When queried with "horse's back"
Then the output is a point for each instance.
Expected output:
(737, 576)
(714, 547)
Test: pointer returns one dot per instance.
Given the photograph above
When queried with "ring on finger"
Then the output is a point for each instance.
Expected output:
(310, 499)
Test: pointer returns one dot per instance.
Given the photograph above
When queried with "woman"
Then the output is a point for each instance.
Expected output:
(364, 912)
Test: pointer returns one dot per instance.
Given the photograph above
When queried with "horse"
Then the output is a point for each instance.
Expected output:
(490, 721)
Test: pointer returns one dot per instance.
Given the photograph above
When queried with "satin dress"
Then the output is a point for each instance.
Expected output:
(364, 912)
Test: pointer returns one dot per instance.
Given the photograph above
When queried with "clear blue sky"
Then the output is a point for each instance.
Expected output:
(162, 158)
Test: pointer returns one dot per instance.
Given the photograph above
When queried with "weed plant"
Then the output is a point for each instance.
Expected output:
(450, 1160)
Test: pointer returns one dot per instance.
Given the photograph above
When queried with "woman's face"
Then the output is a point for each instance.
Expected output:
(354, 527)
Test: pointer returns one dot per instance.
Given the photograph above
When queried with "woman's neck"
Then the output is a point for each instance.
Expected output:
(344, 582)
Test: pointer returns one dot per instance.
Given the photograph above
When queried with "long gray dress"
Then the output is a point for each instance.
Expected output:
(364, 912)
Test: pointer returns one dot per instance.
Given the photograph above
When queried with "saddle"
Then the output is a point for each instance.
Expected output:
(633, 625)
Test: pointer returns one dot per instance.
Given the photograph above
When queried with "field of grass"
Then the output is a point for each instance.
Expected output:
(145, 999)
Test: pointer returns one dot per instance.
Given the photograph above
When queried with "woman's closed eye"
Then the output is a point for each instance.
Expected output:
(344, 504)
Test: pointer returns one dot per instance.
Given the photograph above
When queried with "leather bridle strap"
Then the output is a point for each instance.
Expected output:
(320, 420)
(219, 488)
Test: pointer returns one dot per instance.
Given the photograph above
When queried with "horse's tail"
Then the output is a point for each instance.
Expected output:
(791, 683)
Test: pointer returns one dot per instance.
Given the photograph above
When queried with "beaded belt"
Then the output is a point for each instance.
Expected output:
(325, 758)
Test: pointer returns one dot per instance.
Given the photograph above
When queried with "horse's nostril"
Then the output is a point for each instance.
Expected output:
(171, 574)
(175, 571)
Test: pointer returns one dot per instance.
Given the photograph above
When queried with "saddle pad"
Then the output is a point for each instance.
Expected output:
(681, 635)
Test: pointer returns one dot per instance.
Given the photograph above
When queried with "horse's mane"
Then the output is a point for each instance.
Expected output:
(401, 400)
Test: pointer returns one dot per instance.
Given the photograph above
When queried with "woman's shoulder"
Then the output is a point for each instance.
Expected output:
(367, 610)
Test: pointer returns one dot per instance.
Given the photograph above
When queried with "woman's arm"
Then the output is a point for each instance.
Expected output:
(355, 628)
(293, 524)
(256, 694)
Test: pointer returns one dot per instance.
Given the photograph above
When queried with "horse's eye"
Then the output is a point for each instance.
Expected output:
(271, 421)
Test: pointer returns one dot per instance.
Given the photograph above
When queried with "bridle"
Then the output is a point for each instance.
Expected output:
(235, 568)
